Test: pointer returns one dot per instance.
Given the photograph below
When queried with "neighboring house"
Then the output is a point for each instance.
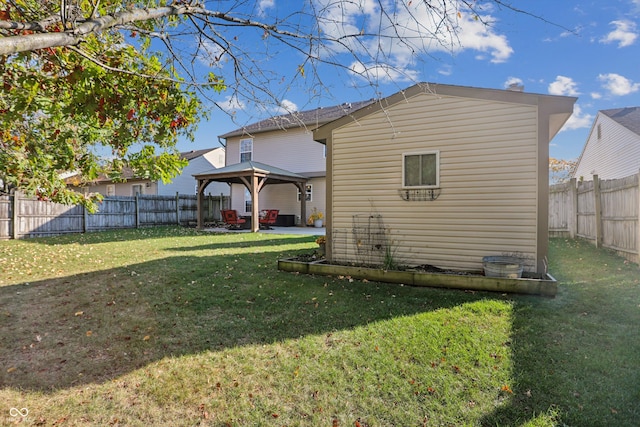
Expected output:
(107, 187)
(442, 175)
(199, 160)
(286, 144)
(612, 149)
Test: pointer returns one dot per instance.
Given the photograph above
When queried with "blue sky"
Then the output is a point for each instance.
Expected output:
(587, 49)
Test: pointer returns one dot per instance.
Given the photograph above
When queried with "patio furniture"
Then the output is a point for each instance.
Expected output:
(269, 219)
(231, 219)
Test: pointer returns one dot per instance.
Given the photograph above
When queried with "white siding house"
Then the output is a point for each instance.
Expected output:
(442, 175)
(612, 150)
(199, 161)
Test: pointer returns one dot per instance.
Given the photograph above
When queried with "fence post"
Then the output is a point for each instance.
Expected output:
(177, 208)
(573, 208)
(14, 206)
(85, 219)
(137, 211)
(598, 205)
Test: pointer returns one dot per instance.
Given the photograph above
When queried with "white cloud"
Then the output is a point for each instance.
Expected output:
(231, 104)
(473, 34)
(445, 70)
(263, 5)
(563, 86)
(595, 95)
(420, 28)
(513, 81)
(625, 33)
(383, 73)
(210, 53)
(618, 85)
(286, 107)
(578, 119)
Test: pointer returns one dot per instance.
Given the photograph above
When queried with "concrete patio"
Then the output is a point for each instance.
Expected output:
(312, 231)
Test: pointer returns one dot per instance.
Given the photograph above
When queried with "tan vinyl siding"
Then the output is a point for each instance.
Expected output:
(488, 180)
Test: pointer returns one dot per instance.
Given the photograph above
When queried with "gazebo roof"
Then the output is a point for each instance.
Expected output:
(233, 173)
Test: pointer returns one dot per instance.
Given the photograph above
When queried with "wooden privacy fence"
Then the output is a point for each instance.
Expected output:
(605, 212)
(22, 216)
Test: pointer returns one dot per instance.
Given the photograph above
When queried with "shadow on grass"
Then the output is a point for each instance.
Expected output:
(576, 356)
(93, 327)
(116, 235)
(271, 241)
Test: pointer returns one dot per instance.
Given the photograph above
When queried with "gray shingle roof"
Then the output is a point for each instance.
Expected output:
(190, 155)
(628, 117)
(309, 118)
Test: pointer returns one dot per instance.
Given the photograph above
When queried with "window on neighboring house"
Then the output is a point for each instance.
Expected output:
(308, 193)
(421, 170)
(136, 189)
(246, 150)
(111, 189)
(247, 201)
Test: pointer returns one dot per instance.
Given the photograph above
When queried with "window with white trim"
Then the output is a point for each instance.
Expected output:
(111, 189)
(248, 205)
(246, 150)
(421, 170)
(308, 193)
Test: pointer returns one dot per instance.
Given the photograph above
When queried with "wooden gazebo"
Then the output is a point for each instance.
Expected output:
(254, 176)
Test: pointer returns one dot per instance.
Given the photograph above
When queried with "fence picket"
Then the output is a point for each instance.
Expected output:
(22, 216)
(607, 212)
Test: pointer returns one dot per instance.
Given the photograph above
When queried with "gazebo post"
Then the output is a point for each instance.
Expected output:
(255, 217)
(253, 176)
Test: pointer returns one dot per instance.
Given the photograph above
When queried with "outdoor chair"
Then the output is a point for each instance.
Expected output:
(231, 219)
(269, 219)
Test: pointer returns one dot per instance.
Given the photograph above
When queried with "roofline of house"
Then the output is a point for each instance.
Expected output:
(562, 104)
(297, 119)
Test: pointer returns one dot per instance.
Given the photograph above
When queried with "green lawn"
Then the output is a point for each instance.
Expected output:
(171, 326)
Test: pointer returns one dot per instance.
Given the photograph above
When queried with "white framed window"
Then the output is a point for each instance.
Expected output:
(111, 189)
(248, 205)
(421, 170)
(308, 193)
(246, 150)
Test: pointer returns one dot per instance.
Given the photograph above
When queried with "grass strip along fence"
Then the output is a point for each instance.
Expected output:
(171, 326)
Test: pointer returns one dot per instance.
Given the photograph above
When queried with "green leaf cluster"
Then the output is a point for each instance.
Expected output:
(90, 110)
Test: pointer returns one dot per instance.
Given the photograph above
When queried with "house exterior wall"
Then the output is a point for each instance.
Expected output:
(615, 155)
(293, 150)
(185, 183)
(121, 188)
(488, 181)
(283, 197)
